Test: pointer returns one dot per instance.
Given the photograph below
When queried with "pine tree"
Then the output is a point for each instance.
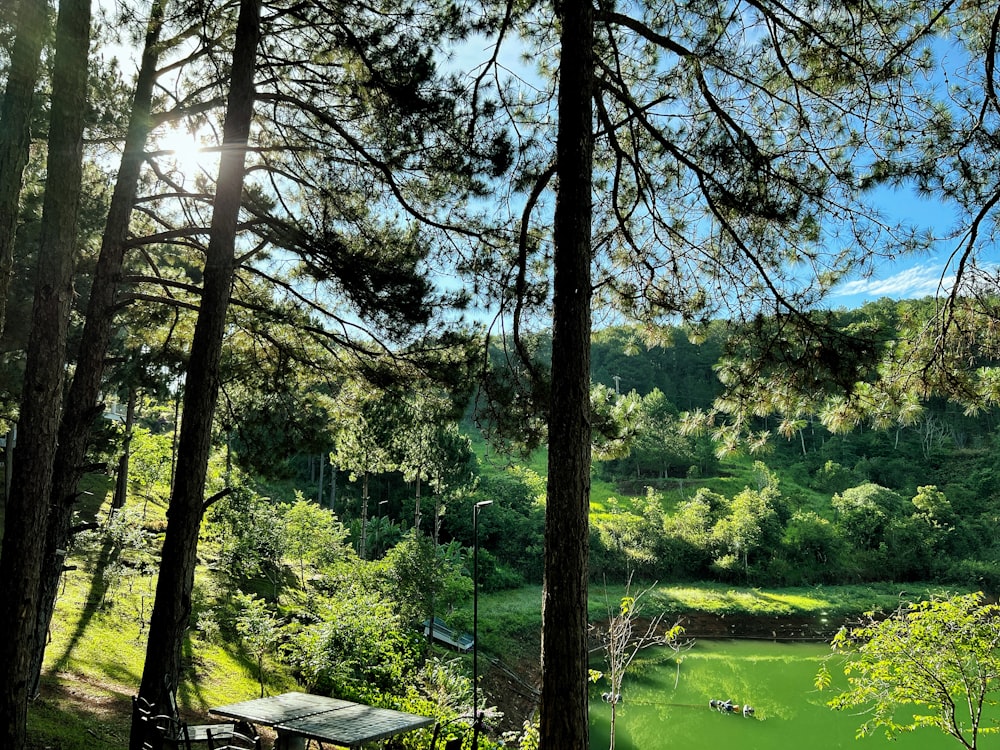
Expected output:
(15, 129)
(172, 607)
(729, 150)
(27, 507)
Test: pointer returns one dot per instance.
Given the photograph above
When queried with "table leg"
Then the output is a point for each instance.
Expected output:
(288, 741)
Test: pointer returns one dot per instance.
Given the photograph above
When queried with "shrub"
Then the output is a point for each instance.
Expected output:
(976, 574)
(358, 644)
(832, 477)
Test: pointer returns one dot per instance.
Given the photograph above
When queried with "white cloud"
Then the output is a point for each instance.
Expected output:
(916, 281)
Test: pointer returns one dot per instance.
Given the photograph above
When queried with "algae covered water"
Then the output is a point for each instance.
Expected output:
(775, 678)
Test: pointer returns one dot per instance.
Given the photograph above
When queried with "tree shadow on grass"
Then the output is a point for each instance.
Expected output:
(107, 554)
(192, 688)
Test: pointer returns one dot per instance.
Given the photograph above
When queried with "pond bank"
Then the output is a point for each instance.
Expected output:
(793, 628)
(510, 624)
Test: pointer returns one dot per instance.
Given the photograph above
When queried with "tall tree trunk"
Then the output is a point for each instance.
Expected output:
(15, 131)
(416, 506)
(172, 609)
(81, 403)
(563, 719)
(333, 486)
(121, 476)
(8, 460)
(363, 543)
(322, 480)
(27, 507)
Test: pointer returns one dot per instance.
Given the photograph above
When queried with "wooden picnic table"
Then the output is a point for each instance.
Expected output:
(298, 717)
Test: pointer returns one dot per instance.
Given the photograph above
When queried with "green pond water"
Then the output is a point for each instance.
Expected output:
(775, 678)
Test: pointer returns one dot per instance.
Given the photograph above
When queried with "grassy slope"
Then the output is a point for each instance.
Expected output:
(735, 474)
(93, 662)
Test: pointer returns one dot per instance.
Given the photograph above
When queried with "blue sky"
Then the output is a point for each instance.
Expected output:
(912, 276)
(907, 277)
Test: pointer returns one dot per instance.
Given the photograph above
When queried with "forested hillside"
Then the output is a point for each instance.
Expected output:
(914, 501)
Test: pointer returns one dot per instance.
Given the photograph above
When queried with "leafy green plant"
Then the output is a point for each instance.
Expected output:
(446, 683)
(250, 537)
(257, 629)
(941, 657)
(356, 645)
(150, 462)
(313, 537)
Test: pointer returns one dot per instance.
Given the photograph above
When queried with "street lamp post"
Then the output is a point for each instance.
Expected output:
(476, 715)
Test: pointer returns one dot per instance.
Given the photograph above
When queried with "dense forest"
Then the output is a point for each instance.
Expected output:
(908, 503)
(820, 505)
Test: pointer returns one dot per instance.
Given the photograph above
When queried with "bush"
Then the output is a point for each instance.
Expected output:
(977, 574)
(832, 477)
(865, 513)
(812, 549)
(358, 644)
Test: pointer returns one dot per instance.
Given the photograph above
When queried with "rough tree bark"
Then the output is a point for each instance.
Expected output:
(172, 608)
(27, 506)
(563, 717)
(81, 404)
(15, 131)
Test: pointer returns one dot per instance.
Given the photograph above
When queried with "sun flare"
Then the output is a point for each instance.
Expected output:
(184, 152)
